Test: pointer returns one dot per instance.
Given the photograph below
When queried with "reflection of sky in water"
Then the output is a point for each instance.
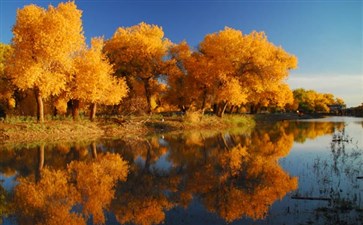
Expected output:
(325, 169)
(7, 182)
(162, 164)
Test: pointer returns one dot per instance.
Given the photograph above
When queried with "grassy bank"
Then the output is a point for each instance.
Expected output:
(26, 129)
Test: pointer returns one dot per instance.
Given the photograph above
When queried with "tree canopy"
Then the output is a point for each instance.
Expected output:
(93, 80)
(43, 44)
(232, 68)
(228, 71)
(313, 101)
(138, 53)
(6, 87)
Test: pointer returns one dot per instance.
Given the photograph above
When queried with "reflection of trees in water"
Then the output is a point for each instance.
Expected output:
(26, 160)
(49, 198)
(4, 199)
(303, 130)
(142, 199)
(233, 176)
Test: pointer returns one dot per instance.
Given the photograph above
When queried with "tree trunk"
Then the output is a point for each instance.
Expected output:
(224, 141)
(147, 94)
(41, 157)
(94, 150)
(40, 107)
(238, 109)
(92, 115)
(234, 109)
(203, 111)
(75, 109)
(215, 108)
(222, 110)
(147, 165)
(254, 108)
(55, 112)
(204, 102)
(40, 163)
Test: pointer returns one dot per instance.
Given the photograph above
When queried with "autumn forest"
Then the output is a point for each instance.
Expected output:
(49, 69)
(133, 128)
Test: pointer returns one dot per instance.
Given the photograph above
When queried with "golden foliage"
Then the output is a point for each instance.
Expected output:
(5, 51)
(232, 92)
(260, 180)
(61, 104)
(232, 68)
(144, 211)
(95, 182)
(93, 81)
(229, 68)
(235, 176)
(6, 87)
(138, 49)
(138, 52)
(50, 199)
(44, 42)
(234, 158)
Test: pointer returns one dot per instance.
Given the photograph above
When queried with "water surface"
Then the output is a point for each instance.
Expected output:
(291, 172)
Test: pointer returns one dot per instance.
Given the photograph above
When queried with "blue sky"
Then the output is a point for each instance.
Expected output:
(326, 36)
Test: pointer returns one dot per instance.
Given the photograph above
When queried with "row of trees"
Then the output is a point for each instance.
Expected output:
(312, 101)
(139, 65)
(48, 56)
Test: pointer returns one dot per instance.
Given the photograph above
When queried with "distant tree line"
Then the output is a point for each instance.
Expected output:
(311, 101)
(355, 111)
(139, 70)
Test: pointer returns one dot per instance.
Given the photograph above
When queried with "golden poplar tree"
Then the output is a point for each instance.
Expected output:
(138, 54)
(44, 43)
(230, 68)
(259, 66)
(6, 88)
(179, 82)
(94, 82)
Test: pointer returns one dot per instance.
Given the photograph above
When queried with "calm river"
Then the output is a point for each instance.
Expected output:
(291, 172)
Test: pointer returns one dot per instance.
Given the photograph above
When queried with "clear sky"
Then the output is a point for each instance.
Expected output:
(326, 36)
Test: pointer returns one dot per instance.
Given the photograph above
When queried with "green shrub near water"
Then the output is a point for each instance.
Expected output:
(193, 117)
(197, 119)
(239, 120)
(19, 119)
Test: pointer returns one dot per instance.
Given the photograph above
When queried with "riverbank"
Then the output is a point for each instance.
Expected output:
(22, 131)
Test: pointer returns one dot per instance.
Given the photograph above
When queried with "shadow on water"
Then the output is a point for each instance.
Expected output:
(189, 178)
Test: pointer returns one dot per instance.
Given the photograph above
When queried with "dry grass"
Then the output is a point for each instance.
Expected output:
(24, 130)
(48, 131)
